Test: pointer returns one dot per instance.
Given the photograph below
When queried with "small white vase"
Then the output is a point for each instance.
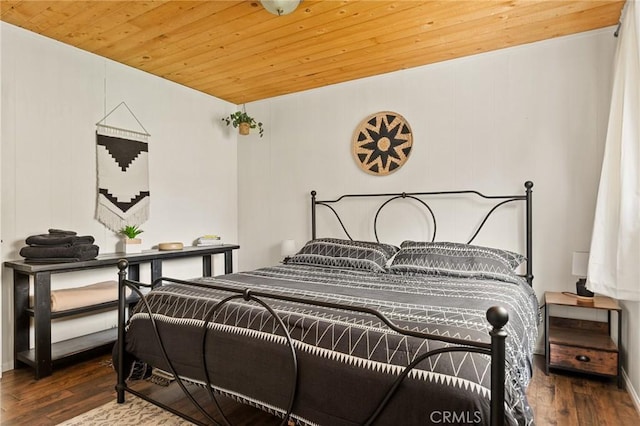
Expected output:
(132, 245)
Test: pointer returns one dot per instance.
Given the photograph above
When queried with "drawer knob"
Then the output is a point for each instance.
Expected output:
(583, 358)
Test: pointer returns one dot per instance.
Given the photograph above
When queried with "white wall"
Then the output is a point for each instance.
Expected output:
(490, 122)
(52, 97)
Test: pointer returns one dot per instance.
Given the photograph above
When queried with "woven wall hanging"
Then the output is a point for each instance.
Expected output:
(123, 175)
(382, 143)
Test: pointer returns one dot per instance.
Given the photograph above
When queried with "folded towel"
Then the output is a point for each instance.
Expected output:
(93, 294)
(48, 260)
(59, 240)
(79, 252)
(61, 231)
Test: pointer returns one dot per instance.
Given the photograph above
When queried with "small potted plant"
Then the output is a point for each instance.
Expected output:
(132, 244)
(244, 122)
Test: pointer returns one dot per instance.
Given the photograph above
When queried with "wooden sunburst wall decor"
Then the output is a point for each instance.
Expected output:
(382, 143)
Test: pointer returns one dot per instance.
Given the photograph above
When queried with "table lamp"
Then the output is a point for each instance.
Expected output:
(287, 249)
(579, 268)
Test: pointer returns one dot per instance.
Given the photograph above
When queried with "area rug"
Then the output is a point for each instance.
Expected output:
(134, 411)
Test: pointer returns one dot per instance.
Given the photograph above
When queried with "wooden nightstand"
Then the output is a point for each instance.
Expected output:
(582, 345)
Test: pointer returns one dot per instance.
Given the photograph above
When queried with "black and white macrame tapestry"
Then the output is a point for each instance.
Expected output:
(123, 177)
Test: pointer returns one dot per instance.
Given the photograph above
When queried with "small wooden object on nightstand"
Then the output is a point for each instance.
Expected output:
(582, 345)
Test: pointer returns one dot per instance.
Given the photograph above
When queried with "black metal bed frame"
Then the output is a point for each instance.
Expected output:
(502, 200)
(497, 316)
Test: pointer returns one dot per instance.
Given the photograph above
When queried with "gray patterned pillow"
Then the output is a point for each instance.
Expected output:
(453, 259)
(462, 249)
(347, 254)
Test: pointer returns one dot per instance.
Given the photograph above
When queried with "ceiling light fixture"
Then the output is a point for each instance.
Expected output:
(280, 7)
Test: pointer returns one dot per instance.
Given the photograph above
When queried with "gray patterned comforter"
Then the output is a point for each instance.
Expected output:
(347, 361)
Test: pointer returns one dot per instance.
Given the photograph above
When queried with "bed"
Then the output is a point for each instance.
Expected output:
(349, 332)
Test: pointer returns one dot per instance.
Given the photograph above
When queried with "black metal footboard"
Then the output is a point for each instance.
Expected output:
(497, 317)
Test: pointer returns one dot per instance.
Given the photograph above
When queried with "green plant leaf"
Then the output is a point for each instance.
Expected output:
(131, 231)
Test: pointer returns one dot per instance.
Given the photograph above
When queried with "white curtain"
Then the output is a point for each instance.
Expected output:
(614, 260)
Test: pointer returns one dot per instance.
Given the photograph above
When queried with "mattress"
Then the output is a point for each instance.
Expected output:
(346, 360)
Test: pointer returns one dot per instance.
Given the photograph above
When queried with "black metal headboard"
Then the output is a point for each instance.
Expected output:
(500, 200)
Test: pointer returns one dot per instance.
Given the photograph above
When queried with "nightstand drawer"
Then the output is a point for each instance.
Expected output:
(589, 360)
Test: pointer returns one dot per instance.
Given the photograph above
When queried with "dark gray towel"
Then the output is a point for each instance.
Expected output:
(61, 231)
(46, 260)
(59, 240)
(79, 252)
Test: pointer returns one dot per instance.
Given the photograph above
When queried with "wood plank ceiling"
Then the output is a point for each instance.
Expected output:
(237, 51)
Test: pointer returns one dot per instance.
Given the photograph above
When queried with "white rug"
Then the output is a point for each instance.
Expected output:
(134, 411)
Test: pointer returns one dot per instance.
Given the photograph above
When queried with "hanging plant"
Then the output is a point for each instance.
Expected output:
(243, 121)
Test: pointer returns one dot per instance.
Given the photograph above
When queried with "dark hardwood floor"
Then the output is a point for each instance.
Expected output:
(558, 399)
(567, 399)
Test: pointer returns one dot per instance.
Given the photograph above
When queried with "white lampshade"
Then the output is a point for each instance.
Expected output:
(280, 7)
(580, 263)
(288, 248)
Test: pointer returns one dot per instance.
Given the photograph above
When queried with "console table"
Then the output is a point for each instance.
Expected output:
(44, 356)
